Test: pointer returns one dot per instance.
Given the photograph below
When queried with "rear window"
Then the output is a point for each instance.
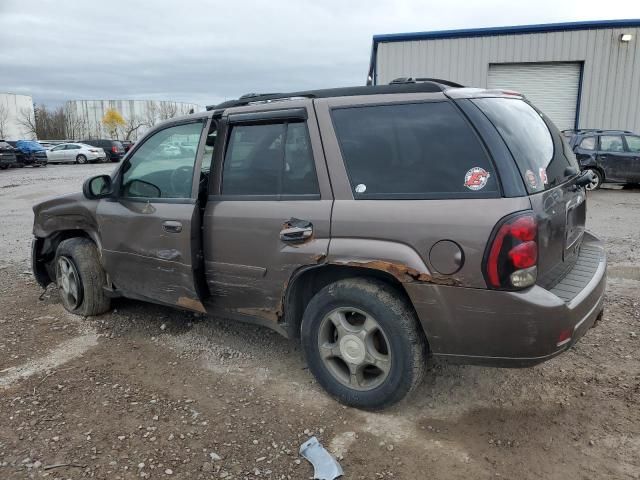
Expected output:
(539, 150)
(417, 150)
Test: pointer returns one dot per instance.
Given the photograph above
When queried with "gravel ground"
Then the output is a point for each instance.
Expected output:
(150, 392)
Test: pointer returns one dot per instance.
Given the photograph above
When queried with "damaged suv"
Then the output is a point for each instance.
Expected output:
(381, 225)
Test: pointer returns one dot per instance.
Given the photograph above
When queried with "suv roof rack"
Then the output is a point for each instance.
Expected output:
(594, 130)
(405, 80)
(419, 86)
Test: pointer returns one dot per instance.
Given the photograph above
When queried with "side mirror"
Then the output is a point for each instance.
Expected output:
(97, 187)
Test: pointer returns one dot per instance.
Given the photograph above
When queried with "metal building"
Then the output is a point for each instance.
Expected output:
(84, 117)
(581, 74)
(15, 111)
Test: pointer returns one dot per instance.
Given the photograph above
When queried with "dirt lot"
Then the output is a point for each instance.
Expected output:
(150, 392)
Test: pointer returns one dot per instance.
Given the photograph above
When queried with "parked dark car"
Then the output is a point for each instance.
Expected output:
(113, 148)
(29, 152)
(381, 225)
(612, 155)
(127, 144)
(7, 155)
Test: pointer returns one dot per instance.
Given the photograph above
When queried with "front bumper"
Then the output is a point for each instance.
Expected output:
(512, 329)
(32, 159)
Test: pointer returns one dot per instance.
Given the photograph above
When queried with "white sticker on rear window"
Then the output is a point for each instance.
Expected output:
(476, 178)
(361, 188)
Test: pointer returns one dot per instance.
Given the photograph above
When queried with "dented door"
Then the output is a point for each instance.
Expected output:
(270, 211)
(150, 231)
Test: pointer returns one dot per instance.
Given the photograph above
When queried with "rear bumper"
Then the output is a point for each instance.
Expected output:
(511, 329)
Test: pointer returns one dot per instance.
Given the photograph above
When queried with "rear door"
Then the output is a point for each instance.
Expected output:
(71, 152)
(270, 210)
(549, 169)
(633, 148)
(150, 231)
(613, 159)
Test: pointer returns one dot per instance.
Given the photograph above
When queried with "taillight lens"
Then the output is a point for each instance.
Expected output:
(114, 149)
(512, 256)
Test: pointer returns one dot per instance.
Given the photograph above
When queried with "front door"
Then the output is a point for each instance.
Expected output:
(271, 212)
(633, 148)
(613, 159)
(148, 230)
(56, 154)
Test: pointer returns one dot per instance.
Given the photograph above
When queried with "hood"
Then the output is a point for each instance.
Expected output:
(67, 212)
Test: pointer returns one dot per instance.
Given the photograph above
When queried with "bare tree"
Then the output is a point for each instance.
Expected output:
(151, 114)
(75, 126)
(168, 110)
(4, 120)
(131, 127)
(27, 120)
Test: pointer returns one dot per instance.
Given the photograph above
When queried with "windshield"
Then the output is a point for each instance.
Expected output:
(538, 148)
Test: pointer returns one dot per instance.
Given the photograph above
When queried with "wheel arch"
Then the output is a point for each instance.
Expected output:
(44, 251)
(307, 281)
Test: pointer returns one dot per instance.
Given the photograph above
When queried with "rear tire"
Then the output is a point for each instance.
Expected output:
(81, 159)
(596, 183)
(363, 343)
(80, 277)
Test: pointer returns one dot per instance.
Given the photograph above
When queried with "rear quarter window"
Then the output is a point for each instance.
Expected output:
(540, 151)
(413, 151)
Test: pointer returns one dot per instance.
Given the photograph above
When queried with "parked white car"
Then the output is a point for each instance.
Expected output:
(75, 153)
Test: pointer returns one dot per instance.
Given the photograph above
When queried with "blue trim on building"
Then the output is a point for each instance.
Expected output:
(492, 31)
(513, 30)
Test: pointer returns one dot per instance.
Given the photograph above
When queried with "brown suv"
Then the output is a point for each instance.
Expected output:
(381, 225)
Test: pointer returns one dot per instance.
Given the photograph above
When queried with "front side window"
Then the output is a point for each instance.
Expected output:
(611, 143)
(588, 143)
(269, 159)
(633, 143)
(162, 167)
(416, 150)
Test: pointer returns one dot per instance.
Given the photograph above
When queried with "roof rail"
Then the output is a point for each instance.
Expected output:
(403, 80)
(426, 86)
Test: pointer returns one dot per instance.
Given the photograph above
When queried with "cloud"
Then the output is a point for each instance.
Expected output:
(207, 51)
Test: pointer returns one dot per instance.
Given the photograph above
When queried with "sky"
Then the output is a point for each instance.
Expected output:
(206, 51)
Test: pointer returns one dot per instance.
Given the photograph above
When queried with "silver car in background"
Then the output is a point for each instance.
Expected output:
(75, 153)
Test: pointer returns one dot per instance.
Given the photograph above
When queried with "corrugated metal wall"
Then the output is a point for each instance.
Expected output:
(610, 95)
(13, 109)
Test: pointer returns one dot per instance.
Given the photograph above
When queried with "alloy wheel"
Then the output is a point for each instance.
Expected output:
(69, 282)
(354, 348)
(595, 181)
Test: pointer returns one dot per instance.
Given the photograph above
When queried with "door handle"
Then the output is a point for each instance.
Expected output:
(295, 230)
(172, 226)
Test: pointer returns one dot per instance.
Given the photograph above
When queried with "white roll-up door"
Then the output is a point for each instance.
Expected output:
(551, 87)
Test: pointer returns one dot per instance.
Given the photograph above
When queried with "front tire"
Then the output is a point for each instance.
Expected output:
(596, 181)
(363, 343)
(81, 159)
(80, 277)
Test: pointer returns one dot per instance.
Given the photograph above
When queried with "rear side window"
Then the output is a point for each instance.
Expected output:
(269, 159)
(588, 143)
(418, 150)
(633, 143)
(611, 143)
(538, 148)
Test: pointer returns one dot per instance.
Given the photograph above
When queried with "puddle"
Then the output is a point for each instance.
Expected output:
(624, 272)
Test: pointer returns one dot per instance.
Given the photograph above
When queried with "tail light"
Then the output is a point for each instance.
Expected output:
(114, 149)
(512, 255)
